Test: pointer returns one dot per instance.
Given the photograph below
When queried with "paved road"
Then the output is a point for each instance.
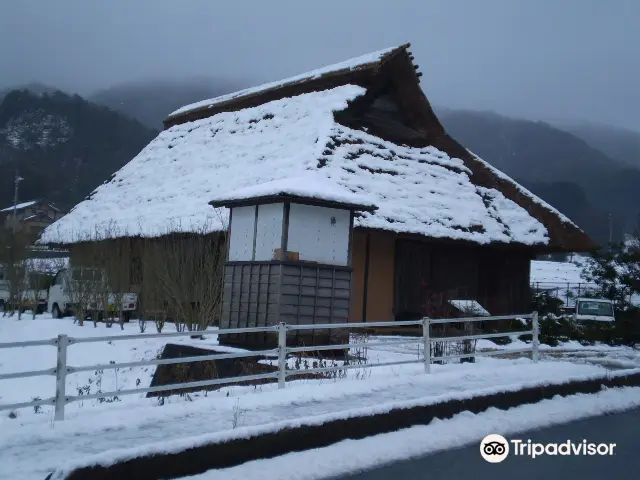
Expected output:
(466, 463)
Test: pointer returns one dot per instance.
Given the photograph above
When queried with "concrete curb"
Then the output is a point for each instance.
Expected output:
(216, 455)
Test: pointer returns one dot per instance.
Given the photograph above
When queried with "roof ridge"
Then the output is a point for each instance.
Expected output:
(377, 58)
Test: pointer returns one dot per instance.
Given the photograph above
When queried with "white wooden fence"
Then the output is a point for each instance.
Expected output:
(63, 342)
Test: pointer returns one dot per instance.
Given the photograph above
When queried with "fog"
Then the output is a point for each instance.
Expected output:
(543, 59)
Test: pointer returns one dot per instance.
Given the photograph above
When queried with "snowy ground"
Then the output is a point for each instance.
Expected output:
(135, 422)
(352, 456)
(564, 279)
(543, 271)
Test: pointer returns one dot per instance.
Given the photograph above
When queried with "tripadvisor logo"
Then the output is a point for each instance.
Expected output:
(495, 448)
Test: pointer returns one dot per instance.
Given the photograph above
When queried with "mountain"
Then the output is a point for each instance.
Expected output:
(151, 102)
(63, 146)
(619, 143)
(36, 88)
(536, 151)
(581, 181)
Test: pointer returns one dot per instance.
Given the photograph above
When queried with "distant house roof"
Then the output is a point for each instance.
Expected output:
(19, 206)
(30, 203)
(327, 122)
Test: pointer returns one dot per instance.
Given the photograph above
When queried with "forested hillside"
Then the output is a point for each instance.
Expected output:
(63, 146)
(578, 179)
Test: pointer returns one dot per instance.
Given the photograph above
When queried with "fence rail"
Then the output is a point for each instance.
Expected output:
(567, 292)
(62, 342)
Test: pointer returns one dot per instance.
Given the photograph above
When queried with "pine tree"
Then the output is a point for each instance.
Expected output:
(616, 272)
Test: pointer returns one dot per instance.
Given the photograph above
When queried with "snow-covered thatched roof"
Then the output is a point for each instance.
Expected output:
(418, 189)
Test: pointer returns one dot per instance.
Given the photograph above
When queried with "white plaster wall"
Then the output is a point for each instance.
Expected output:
(242, 232)
(269, 230)
(315, 238)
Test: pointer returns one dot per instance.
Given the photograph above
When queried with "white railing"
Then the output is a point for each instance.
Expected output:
(62, 342)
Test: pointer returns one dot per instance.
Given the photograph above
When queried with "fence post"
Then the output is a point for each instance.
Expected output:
(61, 377)
(282, 354)
(535, 340)
(427, 345)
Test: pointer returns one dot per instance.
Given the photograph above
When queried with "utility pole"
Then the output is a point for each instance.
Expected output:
(610, 228)
(17, 181)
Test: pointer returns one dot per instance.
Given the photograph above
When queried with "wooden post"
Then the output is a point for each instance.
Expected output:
(426, 345)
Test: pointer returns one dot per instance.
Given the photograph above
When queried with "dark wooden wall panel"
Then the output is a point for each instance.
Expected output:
(266, 293)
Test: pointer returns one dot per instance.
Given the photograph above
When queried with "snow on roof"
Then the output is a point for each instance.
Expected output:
(19, 206)
(47, 265)
(471, 307)
(311, 185)
(350, 64)
(166, 187)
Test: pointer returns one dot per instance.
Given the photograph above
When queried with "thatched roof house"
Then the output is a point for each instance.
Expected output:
(366, 125)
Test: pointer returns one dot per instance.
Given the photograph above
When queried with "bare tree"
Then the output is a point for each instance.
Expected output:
(83, 286)
(152, 303)
(117, 272)
(13, 253)
(189, 277)
(103, 289)
(38, 275)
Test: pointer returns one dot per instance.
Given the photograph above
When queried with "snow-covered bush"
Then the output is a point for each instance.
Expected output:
(616, 272)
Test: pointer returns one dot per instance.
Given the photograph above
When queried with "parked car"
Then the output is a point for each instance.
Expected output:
(34, 291)
(594, 309)
(73, 284)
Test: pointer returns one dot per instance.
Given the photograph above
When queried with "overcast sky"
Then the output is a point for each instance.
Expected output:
(574, 59)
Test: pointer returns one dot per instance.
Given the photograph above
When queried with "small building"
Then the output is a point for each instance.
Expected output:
(289, 257)
(31, 217)
(448, 224)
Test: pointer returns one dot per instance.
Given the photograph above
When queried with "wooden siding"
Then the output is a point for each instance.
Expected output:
(266, 293)
(381, 277)
(428, 272)
(380, 281)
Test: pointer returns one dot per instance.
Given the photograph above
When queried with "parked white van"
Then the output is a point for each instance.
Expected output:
(33, 292)
(594, 309)
(67, 288)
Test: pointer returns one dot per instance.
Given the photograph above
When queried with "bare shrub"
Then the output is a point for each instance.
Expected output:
(13, 254)
(83, 283)
(187, 268)
(117, 254)
(151, 302)
(39, 273)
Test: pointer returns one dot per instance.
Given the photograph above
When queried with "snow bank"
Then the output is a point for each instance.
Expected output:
(524, 375)
(352, 456)
(556, 272)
